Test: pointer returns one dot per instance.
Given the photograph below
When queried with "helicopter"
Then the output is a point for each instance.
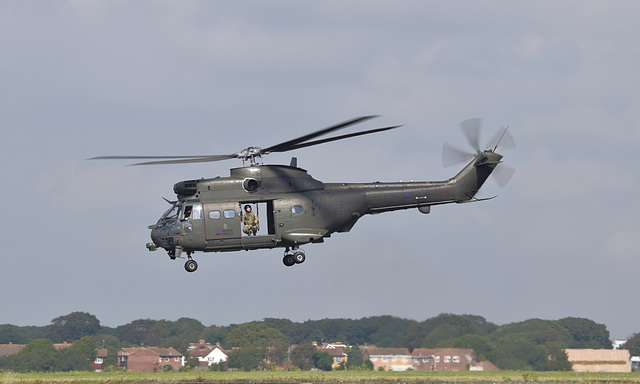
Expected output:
(288, 208)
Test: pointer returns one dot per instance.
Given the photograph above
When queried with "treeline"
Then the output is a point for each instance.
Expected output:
(533, 344)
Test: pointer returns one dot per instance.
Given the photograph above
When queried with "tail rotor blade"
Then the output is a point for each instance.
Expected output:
(501, 140)
(471, 129)
(453, 156)
(502, 174)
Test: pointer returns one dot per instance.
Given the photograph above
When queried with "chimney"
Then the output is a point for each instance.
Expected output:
(201, 342)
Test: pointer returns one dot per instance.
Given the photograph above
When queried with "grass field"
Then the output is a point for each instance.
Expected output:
(317, 377)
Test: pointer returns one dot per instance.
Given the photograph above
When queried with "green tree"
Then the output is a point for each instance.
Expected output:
(73, 326)
(215, 334)
(246, 359)
(276, 352)
(384, 331)
(39, 355)
(12, 334)
(187, 329)
(78, 356)
(324, 361)
(553, 358)
(441, 331)
(519, 344)
(304, 356)
(355, 357)
(254, 335)
(158, 333)
(585, 333)
(633, 345)
(135, 331)
(481, 345)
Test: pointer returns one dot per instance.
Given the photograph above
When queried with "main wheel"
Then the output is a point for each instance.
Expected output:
(289, 260)
(190, 266)
(299, 257)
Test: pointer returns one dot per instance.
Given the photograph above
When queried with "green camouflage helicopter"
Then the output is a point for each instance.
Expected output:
(278, 206)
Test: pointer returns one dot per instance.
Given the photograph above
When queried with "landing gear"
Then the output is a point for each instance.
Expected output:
(297, 257)
(190, 265)
(288, 260)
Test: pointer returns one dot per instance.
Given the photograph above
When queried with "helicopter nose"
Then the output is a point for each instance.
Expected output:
(165, 234)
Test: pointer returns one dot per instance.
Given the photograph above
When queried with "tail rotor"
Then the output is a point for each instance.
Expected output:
(500, 141)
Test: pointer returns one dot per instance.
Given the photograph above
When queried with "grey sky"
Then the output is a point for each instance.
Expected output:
(87, 78)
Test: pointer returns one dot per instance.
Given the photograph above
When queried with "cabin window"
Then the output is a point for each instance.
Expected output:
(456, 359)
(214, 215)
(296, 209)
(447, 359)
(229, 213)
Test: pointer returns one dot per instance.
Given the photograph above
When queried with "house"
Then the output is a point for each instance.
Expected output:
(635, 363)
(149, 359)
(98, 363)
(388, 359)
(442, 359)
(207, 354)
(336, 350)
(10, 349)
(599, 360)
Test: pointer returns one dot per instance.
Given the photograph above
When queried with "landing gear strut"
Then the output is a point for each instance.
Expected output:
(295, 257)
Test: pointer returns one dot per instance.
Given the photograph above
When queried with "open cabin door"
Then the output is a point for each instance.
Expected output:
(264, 211)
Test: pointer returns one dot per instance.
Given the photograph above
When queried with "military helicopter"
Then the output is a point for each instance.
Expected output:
(291, 208)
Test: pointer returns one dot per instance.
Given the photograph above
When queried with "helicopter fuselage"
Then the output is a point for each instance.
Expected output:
(294, 208)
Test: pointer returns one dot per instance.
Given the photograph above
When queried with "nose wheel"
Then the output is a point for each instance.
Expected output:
(190, 265)
(295, 257)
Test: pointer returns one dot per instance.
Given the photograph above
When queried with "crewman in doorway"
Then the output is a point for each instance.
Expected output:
(250, 221)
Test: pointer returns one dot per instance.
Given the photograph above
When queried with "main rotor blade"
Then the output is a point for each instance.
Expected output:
(288, 145)
(192, 159)
(471, 129)
(143, 157)
(303, 145)
(167, 159)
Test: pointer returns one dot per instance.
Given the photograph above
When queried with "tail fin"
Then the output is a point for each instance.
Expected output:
(471, 178)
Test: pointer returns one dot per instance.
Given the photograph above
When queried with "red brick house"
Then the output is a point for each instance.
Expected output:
(98, 363)
(149, 359)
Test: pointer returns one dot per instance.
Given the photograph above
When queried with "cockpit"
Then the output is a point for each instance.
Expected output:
(172, 213)
(183, 210)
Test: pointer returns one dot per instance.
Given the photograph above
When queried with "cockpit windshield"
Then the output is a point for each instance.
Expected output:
(173, 213)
